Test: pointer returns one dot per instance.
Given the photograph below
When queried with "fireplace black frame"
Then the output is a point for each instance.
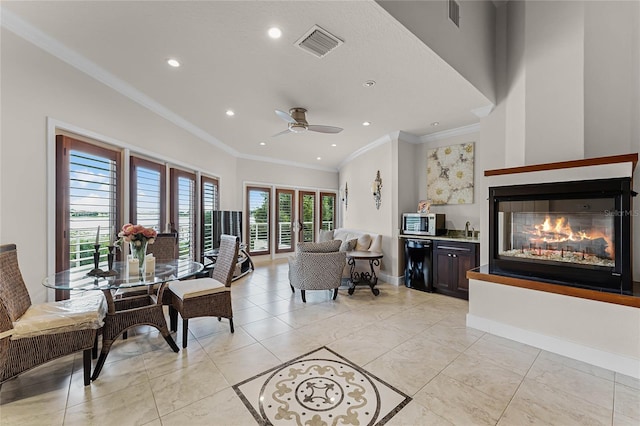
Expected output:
(615, 280)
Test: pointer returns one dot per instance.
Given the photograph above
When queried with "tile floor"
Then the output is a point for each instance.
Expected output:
(415, 341)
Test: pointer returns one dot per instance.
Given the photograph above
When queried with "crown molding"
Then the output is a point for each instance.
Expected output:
(484, 111)
(408, 137)
(47, 43)
(445, 134)
(357, 153)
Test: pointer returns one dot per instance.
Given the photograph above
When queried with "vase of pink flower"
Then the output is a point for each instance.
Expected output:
(138, 238)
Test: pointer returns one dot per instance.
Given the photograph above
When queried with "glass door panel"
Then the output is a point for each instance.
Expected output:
(307, 216)
(258, 220)
(284, 220)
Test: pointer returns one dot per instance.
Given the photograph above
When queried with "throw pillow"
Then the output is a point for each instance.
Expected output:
(348, 245)
(325, 236)
(376, 244)
(363, 242)
(323, 247)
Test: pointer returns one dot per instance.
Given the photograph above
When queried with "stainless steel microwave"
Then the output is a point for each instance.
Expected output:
(423, 224)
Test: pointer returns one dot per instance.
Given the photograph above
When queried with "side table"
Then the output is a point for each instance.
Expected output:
(370, 279)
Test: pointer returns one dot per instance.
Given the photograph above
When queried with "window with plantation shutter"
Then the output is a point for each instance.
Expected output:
(307, 216)
(147, 194)
(87, 199)
(258, 220)
(210, 203)
(327, 211)
(183, 211)
(284, 220)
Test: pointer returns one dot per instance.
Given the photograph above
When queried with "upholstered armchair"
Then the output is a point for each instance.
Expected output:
(317, 266)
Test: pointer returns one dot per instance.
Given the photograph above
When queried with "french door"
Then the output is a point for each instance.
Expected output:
(285, 213)
(307, 216)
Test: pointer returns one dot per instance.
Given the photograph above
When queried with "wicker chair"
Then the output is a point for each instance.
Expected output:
(317, 266)
(206, 297)
(31, 335)
(164, 249)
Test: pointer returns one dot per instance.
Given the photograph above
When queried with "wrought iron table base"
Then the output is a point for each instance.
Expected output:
(371, 279)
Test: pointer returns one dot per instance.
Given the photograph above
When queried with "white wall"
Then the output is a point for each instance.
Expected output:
(361, 212)
(602, 334)
(35, 86)
(611, 78)
(469, 49)
(252, 171)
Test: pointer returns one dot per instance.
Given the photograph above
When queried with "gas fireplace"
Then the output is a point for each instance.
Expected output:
(570, 233)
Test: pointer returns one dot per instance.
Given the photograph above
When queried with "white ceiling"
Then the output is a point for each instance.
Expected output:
(228, 62)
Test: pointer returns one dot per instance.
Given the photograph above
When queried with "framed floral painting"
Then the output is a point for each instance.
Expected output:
(450, 174)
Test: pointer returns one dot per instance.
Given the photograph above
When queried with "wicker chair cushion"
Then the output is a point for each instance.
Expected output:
(198, 287)
(60, 317)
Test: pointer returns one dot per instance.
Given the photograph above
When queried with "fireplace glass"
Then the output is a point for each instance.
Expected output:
(577, 232)
(570, 233)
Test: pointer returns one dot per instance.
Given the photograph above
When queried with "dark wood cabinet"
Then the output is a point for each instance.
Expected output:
(451, 261)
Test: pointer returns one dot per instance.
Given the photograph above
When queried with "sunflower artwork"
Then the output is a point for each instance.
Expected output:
(450, 174)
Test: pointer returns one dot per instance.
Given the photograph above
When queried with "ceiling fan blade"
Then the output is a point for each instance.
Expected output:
(324, 129)
(286, 117)
(282, 133)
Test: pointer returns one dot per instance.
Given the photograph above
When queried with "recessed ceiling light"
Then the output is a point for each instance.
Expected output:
(173, 62)
(263, 143)
(230, 113)
(333, 144)
(274, 32)
(366, 123)
(318, 158)
(369, 83)
(435, 123)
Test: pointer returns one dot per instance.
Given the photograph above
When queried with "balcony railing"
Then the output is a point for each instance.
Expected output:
(259, 234)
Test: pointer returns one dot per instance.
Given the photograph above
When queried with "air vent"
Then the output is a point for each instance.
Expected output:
(318, 42)
(454, 12)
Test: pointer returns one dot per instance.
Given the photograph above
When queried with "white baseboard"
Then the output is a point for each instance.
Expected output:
(397, 281)
(618, 363)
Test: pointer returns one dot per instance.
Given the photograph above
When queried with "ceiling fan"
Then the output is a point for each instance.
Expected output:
(298, 123)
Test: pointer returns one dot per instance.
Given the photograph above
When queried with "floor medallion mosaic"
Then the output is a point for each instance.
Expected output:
(320, 388)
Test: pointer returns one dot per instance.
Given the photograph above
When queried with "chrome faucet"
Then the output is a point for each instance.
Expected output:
(466, 229)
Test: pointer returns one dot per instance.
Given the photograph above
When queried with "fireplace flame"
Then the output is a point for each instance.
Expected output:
(560, 231)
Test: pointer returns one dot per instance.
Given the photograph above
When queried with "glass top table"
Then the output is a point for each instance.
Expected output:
(164, 271)
(129, 310)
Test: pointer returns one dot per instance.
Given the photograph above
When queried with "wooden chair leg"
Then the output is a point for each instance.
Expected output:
(304, 299)
(231, 324)
(94, 350)
(292, 289)
(86, 365)
(335, 293)
(185, 331)
(173, 318)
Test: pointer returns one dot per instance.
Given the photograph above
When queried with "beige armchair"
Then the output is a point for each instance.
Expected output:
(317, 266)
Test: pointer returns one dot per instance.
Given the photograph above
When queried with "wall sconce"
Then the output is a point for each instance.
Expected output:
(345, 199)
(376, 186)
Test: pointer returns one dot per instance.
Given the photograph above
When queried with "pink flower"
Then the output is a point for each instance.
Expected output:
(136, 234)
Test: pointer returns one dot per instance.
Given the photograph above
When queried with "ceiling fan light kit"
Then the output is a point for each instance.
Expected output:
(297, 123)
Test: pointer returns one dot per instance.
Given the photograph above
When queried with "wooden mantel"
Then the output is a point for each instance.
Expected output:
(482, 273)
(625, 158)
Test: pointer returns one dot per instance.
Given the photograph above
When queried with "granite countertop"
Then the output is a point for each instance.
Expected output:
(441, 238)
